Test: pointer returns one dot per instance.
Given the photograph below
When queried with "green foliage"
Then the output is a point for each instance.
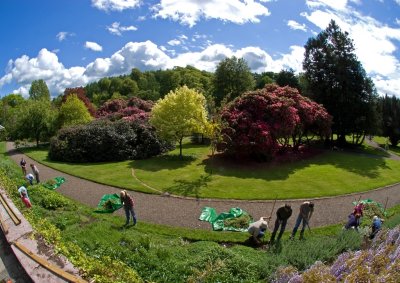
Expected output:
(39, 90)
(103, 140)
(232, 78)
(179, 114)
(73, 112)
(336, 79)
(35, 119)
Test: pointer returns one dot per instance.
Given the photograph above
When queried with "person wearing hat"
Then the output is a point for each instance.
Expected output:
(376, 226)
(257, 229)
(128, 203)
(305, 213)
(282, 216)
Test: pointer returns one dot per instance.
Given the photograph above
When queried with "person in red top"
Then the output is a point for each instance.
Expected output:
(358, 212)
(128, 203)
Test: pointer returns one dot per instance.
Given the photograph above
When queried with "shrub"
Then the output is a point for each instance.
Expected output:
(259, 123)
(104, 140)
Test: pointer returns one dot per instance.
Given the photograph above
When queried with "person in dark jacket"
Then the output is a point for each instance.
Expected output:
(282, 216)
(353, 221)
(128, 203)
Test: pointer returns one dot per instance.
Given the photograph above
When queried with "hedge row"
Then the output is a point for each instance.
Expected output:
(103, 140)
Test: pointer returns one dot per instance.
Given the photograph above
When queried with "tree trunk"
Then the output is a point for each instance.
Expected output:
(180, 148)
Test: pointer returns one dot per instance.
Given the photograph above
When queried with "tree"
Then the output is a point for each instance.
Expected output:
(180, 113)
(259, 123)
(336, 79)
(80, 92)
(287, 78)
(390, 109)
(35, 120)
(73, 112)
(232, 78)
(39, 90)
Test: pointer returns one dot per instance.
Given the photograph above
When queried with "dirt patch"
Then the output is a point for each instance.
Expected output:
(48, 251)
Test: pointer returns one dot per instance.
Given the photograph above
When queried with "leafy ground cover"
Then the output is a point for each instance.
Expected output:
(200, 175)
(100, 246)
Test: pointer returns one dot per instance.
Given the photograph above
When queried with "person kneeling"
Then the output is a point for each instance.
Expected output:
(257, 230)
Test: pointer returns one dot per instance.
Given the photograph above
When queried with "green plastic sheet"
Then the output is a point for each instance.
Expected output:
(54, 183)
(109, 203)
(369, 201)
(217, 221)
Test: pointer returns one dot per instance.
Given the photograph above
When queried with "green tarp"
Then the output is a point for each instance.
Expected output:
(218, 221)
(109, 203)
(53, 184)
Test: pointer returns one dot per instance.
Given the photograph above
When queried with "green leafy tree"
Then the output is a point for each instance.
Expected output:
(73, 112)
(8, 107)
(287, 78)
(179, 114)
(390, 123)
(337, 80)
(232, 78)
(35, 119)
(39, 90)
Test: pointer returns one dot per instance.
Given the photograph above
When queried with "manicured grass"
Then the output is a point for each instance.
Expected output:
(198, 175)
(382, 141)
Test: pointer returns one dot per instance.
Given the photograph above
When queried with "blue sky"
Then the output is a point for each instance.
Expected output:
(69, 43)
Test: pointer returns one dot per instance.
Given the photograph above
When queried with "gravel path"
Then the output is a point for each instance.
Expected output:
(184, 212)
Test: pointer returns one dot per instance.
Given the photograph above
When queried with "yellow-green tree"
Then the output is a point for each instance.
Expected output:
(73, 112)
(179, 114)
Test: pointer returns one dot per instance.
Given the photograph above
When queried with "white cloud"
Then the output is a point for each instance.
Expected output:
(117, 29)
(174, 42)
(296, 26)
(93, 46)
(45, 66)
(62, 35)
(397, 1)
(188, 12)
(374, 41)
(339, 5)
(142, 55)
(115, 5)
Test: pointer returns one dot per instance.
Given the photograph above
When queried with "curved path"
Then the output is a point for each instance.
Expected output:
(184, 212)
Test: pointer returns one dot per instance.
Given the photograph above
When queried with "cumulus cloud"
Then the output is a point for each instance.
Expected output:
(62, 35)
(117, 29)
(93, 46)
(373, 40)
(296, 26)
(44, 66)
(115, 5)
(174, 42)
(142, 55)
(189, 12)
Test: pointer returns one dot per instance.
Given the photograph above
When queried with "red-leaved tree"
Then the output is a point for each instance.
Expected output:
(259, 123)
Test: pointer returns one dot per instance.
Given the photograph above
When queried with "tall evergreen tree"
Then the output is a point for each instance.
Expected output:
(337, 80)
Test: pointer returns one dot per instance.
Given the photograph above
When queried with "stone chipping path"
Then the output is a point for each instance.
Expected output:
(184, 212)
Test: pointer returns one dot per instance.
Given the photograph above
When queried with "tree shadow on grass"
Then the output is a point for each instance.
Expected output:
(189, 188)
(170, 162)
(360, 164)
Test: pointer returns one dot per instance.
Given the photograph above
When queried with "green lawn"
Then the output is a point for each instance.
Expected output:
(382, 141)
(327, 174)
